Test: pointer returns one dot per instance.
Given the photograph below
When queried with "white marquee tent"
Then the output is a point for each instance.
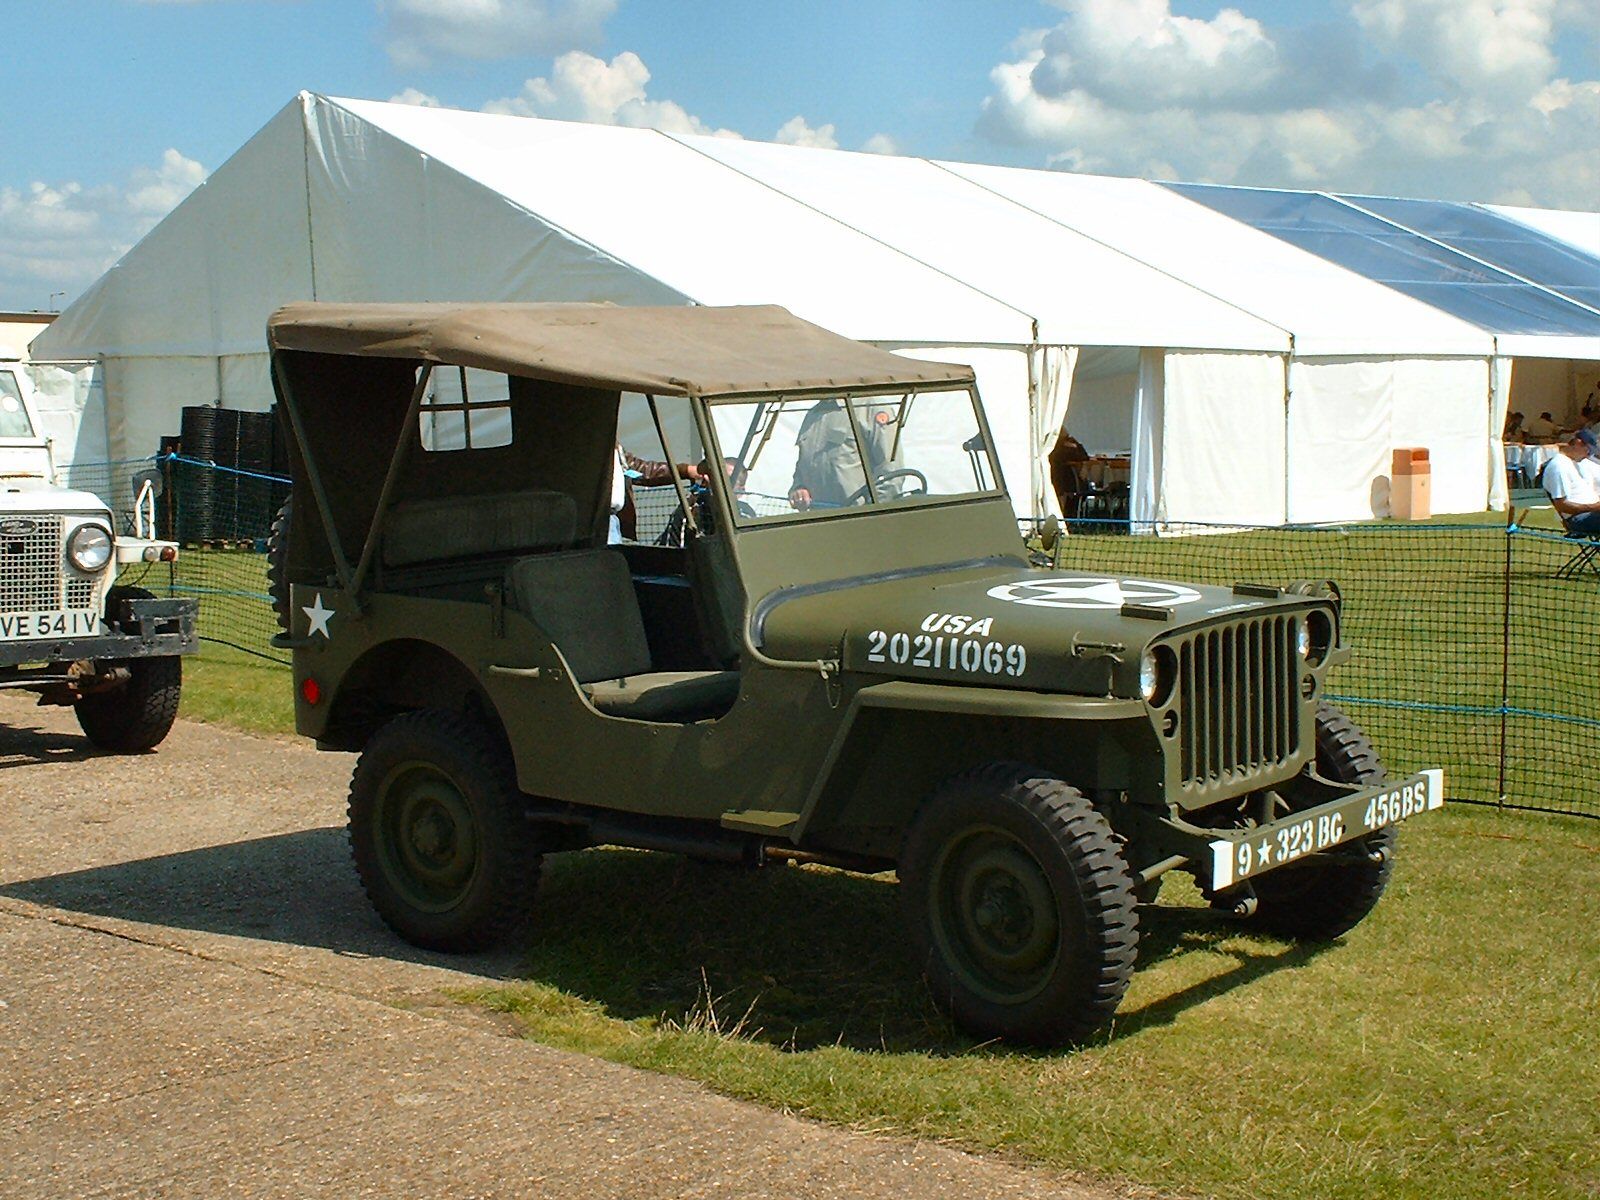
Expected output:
(1253, 381)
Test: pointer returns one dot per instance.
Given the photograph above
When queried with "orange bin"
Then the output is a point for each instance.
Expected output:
(1411, 484)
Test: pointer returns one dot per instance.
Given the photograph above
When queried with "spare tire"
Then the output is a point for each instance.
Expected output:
(278, 562)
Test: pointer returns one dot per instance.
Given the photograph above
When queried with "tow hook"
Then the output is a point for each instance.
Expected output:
(1244, 905)
(1379, 855)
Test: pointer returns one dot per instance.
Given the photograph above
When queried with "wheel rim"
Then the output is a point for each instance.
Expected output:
(994, 915)
(427, 838)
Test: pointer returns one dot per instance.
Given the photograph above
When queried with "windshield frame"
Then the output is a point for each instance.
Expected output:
(852, 397)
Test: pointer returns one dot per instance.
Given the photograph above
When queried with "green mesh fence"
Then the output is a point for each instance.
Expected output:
(1474, 646)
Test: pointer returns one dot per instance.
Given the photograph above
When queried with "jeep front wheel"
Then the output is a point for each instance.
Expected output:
(438, 834)
(1020, 906)
(1322, 898)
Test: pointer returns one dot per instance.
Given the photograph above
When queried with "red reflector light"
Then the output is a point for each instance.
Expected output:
(169, 554)
(310, 690)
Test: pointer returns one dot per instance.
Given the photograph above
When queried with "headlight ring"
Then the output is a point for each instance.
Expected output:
(89, 548)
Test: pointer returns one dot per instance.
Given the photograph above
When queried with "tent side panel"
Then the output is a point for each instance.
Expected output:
(1341, 413)
(72, 408)
(1223, 437)
(146, 397)
(1443, 404)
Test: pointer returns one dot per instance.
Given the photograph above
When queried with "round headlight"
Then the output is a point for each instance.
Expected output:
(1149, 676)
(89, 548)
(1302, 639)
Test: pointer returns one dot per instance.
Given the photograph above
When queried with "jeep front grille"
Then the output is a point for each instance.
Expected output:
(31, 566)
(1240, 715)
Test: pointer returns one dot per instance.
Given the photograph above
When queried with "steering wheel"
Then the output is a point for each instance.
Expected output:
(879, 478)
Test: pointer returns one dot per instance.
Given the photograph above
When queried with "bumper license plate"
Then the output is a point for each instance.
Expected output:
(1234, 860)
(26, 626)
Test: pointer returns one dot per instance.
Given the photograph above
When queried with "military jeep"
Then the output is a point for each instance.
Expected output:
(68, 632)
(849, 661)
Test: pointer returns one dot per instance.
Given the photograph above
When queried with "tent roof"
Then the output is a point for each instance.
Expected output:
(1525, 318)
(1580, 229)
(663, 351)
(1496, 241)
(717, 238)
(1329, 310)
(1078, 289)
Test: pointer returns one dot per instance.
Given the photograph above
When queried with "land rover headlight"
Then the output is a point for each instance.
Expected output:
(89, 548)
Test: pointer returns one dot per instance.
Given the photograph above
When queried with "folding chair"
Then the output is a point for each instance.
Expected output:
(1587, 556)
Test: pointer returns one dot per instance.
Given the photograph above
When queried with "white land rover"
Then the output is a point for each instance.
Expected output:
(67, 631)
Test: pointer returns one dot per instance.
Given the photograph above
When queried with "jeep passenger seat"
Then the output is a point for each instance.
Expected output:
(584, 599)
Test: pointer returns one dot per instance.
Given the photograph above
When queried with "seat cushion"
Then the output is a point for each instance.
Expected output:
(666, 695)
(462, 526)
(584, 600)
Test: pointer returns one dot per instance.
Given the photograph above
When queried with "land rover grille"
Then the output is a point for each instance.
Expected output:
(1240, 704)
(33, 571)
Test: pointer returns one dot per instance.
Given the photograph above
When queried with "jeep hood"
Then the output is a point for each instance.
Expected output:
(1000, 625)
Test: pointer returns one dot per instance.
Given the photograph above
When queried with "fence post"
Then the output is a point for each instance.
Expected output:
(1505, 651)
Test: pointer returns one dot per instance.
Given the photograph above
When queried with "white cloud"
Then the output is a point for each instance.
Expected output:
(881, 143)
(60, 237)
(1452, 98)
(418, 32)
(797, 132)
(413, 96)
(582, 87)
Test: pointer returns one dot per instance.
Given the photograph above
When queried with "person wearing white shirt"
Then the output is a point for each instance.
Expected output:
(1572, 480)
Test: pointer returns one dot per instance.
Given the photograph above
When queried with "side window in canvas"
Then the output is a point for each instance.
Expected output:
(466, 409)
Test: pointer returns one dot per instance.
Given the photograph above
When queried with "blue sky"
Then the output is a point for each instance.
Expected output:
(118, 107)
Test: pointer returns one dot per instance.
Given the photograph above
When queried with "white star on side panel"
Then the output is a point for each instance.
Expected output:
(319, 618)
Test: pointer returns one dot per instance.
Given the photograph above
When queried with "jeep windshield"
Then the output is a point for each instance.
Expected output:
(850, 453)
(14, 421)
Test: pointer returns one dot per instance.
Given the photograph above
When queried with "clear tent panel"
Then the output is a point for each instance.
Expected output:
(1496, 240)
(1398, 258)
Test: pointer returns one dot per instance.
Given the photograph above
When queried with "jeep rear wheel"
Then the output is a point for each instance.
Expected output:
(278, 562)
(1020, 906)
(438, 834)
(136, 715)
(1321, 899)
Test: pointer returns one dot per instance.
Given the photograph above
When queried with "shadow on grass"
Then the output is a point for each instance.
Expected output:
(797, 958)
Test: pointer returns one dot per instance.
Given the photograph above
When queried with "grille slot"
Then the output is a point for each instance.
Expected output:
(1240, 715)
(31, 570)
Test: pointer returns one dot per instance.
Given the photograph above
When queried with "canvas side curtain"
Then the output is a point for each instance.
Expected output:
(1221, 453)
(1499, 405)
(1050, 371)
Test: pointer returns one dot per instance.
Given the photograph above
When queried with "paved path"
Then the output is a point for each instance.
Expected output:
(196, 1000)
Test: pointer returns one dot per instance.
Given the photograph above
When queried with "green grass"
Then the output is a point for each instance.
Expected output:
(1448, 1046)
(223, 686)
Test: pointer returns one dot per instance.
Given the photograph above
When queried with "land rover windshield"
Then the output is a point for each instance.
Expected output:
(844, 454)
(14, 421)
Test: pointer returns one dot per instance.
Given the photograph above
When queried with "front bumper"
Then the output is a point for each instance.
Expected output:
(1237, 855)
(138, 629)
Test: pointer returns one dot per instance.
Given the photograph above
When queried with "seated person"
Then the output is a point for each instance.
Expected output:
(1543, 428)
(1572, 480)
(1514, 431)
(1065, 476)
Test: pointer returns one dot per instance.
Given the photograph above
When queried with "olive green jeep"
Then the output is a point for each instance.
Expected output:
(848, 661)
